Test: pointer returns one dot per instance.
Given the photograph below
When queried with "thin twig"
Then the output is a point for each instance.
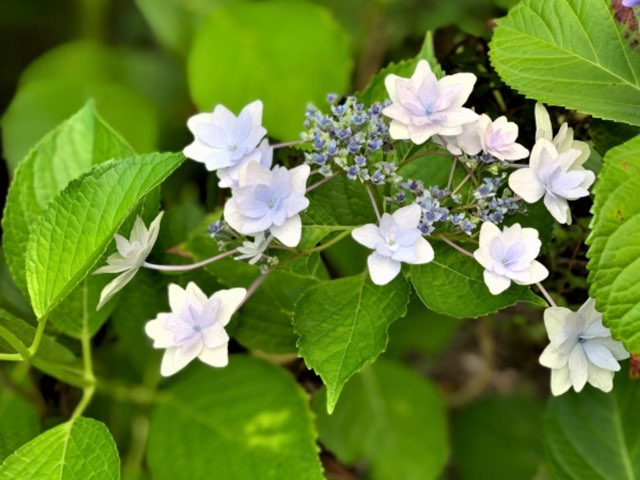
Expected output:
(452, 173)
(373, 203)
(286, 144)
(192, 266)
(546, 295)
(320, 182)
(455, 246)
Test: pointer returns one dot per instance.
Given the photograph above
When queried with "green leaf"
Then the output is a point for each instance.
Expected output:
(375, 91)
(452, 284)
(19, 420)
(606, 135)
(245, 51)
(390, 417)
(77, 227)
(342, 325)
(70, 150)
(247, 421)
(508, 428)
(421, 330)
(80, 448)
(571, 53)
(594, 435)
(613, 247)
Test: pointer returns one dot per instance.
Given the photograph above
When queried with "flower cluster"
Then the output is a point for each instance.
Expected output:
(347, 138)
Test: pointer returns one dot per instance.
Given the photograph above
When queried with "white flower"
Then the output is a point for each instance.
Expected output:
(130, 256)
(468, 141)
(254, 250)
(396, 240)
(194, 327)
(553, 175)
(224, 142)
(581, 349)
(269, 200)
(424, 106)
(563, 141)
(509, 255)
(498, 138)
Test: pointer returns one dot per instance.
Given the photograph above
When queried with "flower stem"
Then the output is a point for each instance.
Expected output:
(87, 360)
(254, 286)
(331, 242)
(192, 266)
(452, 172)
(455, 246)
(286, 144)
(373, 203)
(320, 182)
(464, 180)
(546, 295)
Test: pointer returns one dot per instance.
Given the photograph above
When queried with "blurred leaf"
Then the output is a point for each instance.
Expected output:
(421, 330)
(40, 106)
(594, 435)
(614, 250)
(390, 417)
(70, 150)
(570, 53)
(452, 284)
(377, 92)
(342, 325)
(77, 227)
(11, 298)
(606, 134)
(246, 51)
(247, 421)
(19, 420)
(506, 428)
(79, 448)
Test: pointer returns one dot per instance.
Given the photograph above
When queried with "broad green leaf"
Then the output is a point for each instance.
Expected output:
(81, 448)
(452, 284)
(264, 322)
(77, 227)
(506, 428)
(245, 51)
(11, 298)
(342, 325)
(24, 122)
(249, 420)
(392, 419)
(70, 150)
(375, 91)
(613, 246)
(571, 53)
(594, 435)
(52, 357)
(19, 420)
(421, 330)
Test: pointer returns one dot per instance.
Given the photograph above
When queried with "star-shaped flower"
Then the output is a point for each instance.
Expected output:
(581, 349)
(563, 141)
(423, 106)
(130, 256)
(509, 256)
(224, 142)
(194, 327)
(498, 138)
(254, 250)
(554, 176)
(396, 240)
(269, 200)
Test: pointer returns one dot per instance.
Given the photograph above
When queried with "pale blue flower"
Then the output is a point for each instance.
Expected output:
(195, 327)
(630, 3)
(554, 176)
(581, 349)
(253, 251)
(509, 256)
(224, 142)
(397, 239)
(269, 200)
(423, 106)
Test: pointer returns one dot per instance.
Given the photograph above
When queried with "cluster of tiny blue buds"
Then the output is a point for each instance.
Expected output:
(348, 138)
(490, 206)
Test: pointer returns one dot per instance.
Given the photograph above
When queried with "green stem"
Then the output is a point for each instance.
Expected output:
(38, 337)
(331, 242)
(21, 348)
(88, 375)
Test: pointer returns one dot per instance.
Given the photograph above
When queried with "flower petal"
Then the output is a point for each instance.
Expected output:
(382, 269)
(367, 235)
(560, 381)
(578, 367)
(599, 355)
(174, 359)
(114, 286)
(600, 378)
(408, 217)
(290, 232)
(216, 357)
(230, 300)
(496, 283)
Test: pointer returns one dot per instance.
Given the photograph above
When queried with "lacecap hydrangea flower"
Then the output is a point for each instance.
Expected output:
(253, 251)
(423, 106)
(581, 349)
(130, 256)
(509, 256)
(269, 200)
(397, 239)
(563, 140)
(195, 327)
(225, 143)
(553, 175)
